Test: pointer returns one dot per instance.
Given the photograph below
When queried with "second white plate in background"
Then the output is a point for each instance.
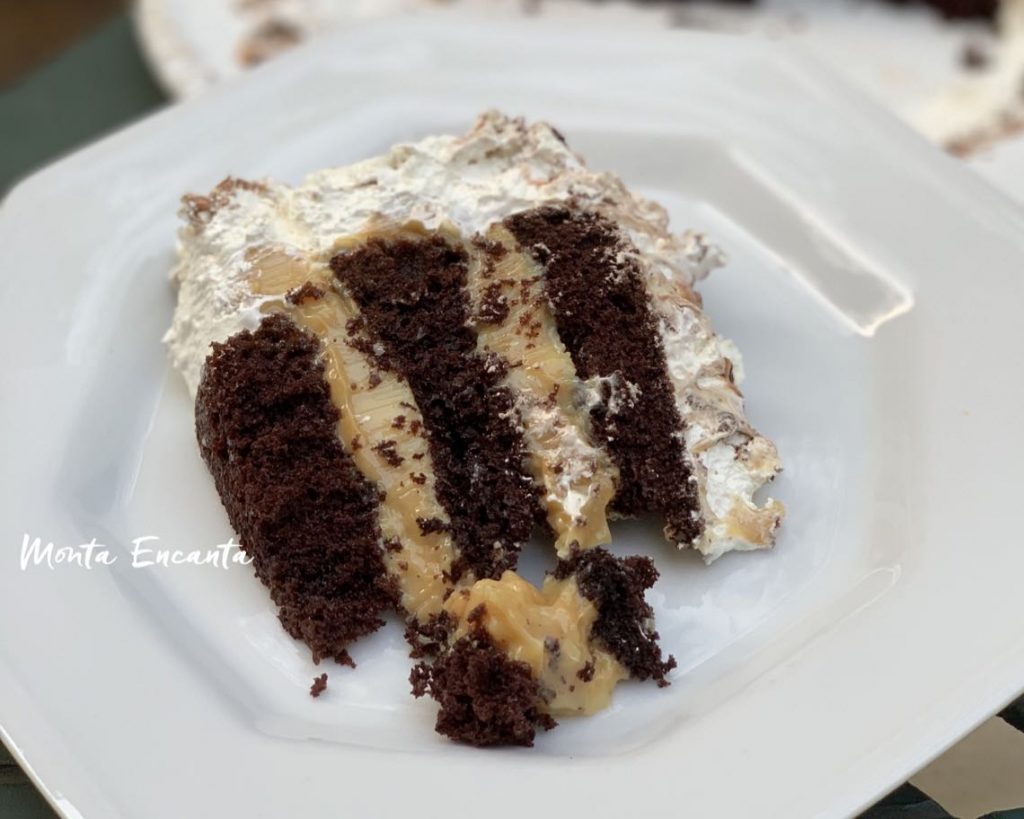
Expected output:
(907, 57)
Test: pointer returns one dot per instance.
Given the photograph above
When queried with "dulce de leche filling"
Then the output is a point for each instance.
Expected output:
(379, 424)
(514, 322)
(549, 629)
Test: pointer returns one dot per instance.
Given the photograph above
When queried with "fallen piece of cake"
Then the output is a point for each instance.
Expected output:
(515, 656)
(418, 358)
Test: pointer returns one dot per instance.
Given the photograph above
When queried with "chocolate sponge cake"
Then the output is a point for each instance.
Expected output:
(404, 368)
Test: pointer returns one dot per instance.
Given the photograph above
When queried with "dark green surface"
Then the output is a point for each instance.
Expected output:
(1015, 716)
(18, 797)
(93, 88)
(906, 802)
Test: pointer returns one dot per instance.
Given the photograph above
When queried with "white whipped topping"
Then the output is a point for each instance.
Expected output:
(579, 459)
(614, 391)
(214, 298)
(729, 459)
(502, 166)
(986, 105)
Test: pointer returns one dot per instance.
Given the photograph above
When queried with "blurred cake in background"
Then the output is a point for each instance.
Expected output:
(953, 69)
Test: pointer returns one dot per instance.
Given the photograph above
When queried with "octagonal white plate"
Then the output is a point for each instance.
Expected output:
(875, 288)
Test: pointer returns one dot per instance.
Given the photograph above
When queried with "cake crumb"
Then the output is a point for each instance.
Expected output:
(319, 686)
(388, 450)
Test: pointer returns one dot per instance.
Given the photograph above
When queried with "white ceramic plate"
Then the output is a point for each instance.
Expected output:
(1003, 166)
(874, 288)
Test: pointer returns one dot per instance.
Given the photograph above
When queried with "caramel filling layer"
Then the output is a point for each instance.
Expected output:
(549, 630)
(379, 424)
(515, 323)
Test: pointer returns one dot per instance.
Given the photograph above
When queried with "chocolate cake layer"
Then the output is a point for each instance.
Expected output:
(414, 321)
(616, 586)
(267, 430)
(485, 698)
(604, 319)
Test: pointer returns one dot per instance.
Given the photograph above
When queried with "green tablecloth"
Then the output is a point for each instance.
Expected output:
(95, 87)
(18, 797)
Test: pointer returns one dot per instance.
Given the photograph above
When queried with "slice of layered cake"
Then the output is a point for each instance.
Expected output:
(420, 359)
